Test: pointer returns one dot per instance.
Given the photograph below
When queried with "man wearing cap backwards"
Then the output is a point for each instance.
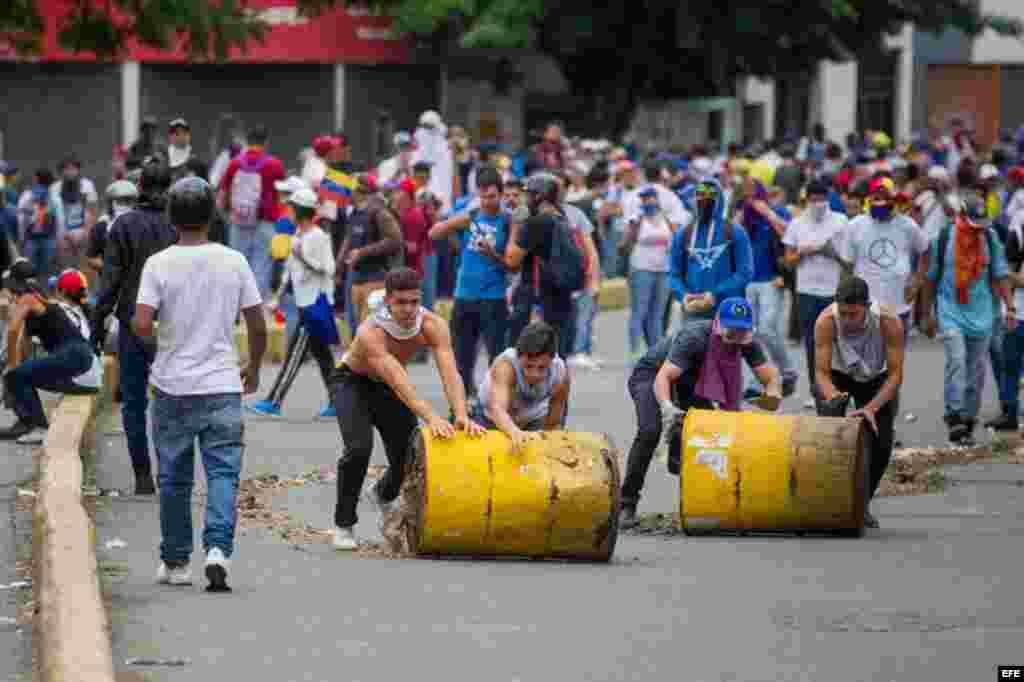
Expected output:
(372, 390)
(398, 167)
(697, 367)
(179, 147)
(309, 274)
(131, 240)
(967, 269)
(859, 353)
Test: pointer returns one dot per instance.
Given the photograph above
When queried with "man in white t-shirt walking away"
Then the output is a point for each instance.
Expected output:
(813, 243)
(196, 379)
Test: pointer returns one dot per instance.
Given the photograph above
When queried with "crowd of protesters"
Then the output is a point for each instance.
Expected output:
(744, 252)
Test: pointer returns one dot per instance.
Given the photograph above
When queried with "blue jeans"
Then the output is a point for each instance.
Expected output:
(611, 260)
(254, 243)
(291, 314)
(1013, 357)
(429, 281)
(965, 373)
(136, 358)
(41, 251)
(809, 308)
(648, 296)
(769, 306)
(997, 356)
(472, 322)
(586, 311)
(52, 372)
(216, 420)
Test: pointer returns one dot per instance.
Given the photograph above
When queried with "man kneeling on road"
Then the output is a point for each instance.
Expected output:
(526, 390)
(698, 367)
(859, 354)
(371, 389)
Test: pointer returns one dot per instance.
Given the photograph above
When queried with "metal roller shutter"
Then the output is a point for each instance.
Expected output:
(294, 102)
(52, 110)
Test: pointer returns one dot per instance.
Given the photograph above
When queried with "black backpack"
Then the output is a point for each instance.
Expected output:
(564, 269)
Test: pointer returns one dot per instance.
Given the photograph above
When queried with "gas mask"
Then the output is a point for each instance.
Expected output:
(881, 212)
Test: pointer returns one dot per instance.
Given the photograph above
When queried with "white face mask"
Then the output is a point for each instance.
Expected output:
(818, 210)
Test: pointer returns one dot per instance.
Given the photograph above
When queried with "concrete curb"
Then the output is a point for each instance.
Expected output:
(72, 639)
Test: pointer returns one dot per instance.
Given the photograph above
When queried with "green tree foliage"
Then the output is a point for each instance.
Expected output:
(612, 53)
(205, 29)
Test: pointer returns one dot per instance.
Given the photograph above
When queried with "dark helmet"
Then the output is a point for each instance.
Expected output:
(542, 187)
(20, 277)
(155, 178)
(190, 202)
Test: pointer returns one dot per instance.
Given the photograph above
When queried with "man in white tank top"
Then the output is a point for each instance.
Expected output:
(526, 390)
(859, 354)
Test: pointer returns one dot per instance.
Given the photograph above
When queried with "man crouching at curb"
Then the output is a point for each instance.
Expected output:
(371, 389)
(859, 354)
(526, 390)
(698, 367)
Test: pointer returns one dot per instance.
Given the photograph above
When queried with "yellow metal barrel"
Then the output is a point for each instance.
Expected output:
(558, 498)
(745, 471)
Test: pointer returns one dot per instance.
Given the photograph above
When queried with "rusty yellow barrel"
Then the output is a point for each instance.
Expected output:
(745, 471)
(558, 498)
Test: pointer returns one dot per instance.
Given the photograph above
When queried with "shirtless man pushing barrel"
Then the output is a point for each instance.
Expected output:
(371, 389)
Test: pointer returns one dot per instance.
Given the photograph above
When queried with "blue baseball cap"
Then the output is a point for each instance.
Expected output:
(736, 313)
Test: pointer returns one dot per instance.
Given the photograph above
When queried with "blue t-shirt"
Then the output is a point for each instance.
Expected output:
(481, 278)
(974, 318)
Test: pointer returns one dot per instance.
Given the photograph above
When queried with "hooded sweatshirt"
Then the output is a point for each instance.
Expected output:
(710, 266)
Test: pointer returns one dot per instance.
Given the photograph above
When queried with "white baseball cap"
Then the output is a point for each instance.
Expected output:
(988, 171)
(303, 198)
(430, 118)
(290, 185)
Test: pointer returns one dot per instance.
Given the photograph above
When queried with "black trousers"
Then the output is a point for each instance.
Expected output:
(471, 322)
(300, 345)
(648, 433)
(880, 444)
(364, 404)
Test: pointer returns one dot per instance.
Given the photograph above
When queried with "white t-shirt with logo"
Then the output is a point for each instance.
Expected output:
(817, 275)
(882, 255)
(198, 292)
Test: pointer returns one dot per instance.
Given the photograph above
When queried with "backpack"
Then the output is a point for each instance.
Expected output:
(688, 237)
(565, 268)
(944, 235)
(247, 192)
(42, 222)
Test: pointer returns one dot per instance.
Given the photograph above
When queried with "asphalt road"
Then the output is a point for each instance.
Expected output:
(931, 596)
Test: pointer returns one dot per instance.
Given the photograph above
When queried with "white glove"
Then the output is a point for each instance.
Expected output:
(670, 416)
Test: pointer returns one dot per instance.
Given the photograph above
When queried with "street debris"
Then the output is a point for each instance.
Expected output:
(17, 585)
(918, 471)
(26, 493)
(116, 543)
(910, 418)
(158, 662)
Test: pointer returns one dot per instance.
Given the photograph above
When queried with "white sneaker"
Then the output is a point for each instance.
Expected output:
(582, 361)
(217, 566)
(34, 437)
(597, 360)
(809, 404)
(345, 540)
(165, 575)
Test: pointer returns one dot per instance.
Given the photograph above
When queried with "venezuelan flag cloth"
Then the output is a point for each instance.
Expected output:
(335, 192)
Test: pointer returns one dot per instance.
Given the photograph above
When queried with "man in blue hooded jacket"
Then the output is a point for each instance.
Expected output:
(711, 258)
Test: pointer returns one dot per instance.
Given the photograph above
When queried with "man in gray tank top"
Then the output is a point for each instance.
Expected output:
(858, 353)
(526, 390)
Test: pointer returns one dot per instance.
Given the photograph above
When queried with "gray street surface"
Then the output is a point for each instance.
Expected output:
(931, 596)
